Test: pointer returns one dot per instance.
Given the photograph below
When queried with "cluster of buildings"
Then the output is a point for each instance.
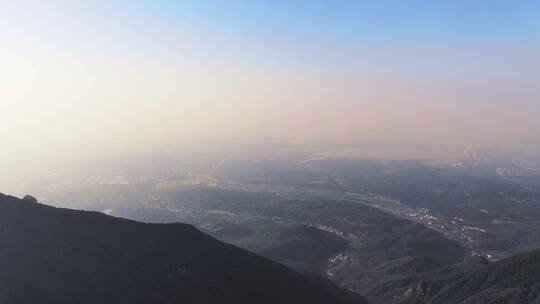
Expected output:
(504, 164)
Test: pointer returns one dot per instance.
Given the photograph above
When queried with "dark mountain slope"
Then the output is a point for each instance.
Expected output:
(515, 280)
(50, 255)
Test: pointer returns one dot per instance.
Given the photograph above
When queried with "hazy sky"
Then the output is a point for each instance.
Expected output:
(85, 76)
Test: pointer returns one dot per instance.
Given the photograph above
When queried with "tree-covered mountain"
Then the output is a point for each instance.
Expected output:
(53, 255)
(515, 280)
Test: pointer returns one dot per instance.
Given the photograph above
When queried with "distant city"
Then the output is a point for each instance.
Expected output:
(504, 164)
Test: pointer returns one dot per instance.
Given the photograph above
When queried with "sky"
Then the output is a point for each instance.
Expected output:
(101, 77)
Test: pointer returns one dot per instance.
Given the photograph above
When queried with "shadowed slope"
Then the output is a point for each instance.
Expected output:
(52, 255)
(515, 280)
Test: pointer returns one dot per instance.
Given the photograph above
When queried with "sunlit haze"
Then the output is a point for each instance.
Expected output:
(119, 77)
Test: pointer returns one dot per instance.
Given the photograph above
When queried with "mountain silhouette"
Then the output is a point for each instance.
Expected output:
(54, 255)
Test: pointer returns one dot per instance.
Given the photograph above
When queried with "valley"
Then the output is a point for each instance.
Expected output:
(371, 227)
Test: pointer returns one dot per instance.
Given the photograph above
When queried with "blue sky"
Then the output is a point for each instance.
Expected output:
(240, 30)
(326, 34)
(378, 20)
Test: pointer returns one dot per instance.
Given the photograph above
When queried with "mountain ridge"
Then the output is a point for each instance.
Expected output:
(55, 255)
(514, 280)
